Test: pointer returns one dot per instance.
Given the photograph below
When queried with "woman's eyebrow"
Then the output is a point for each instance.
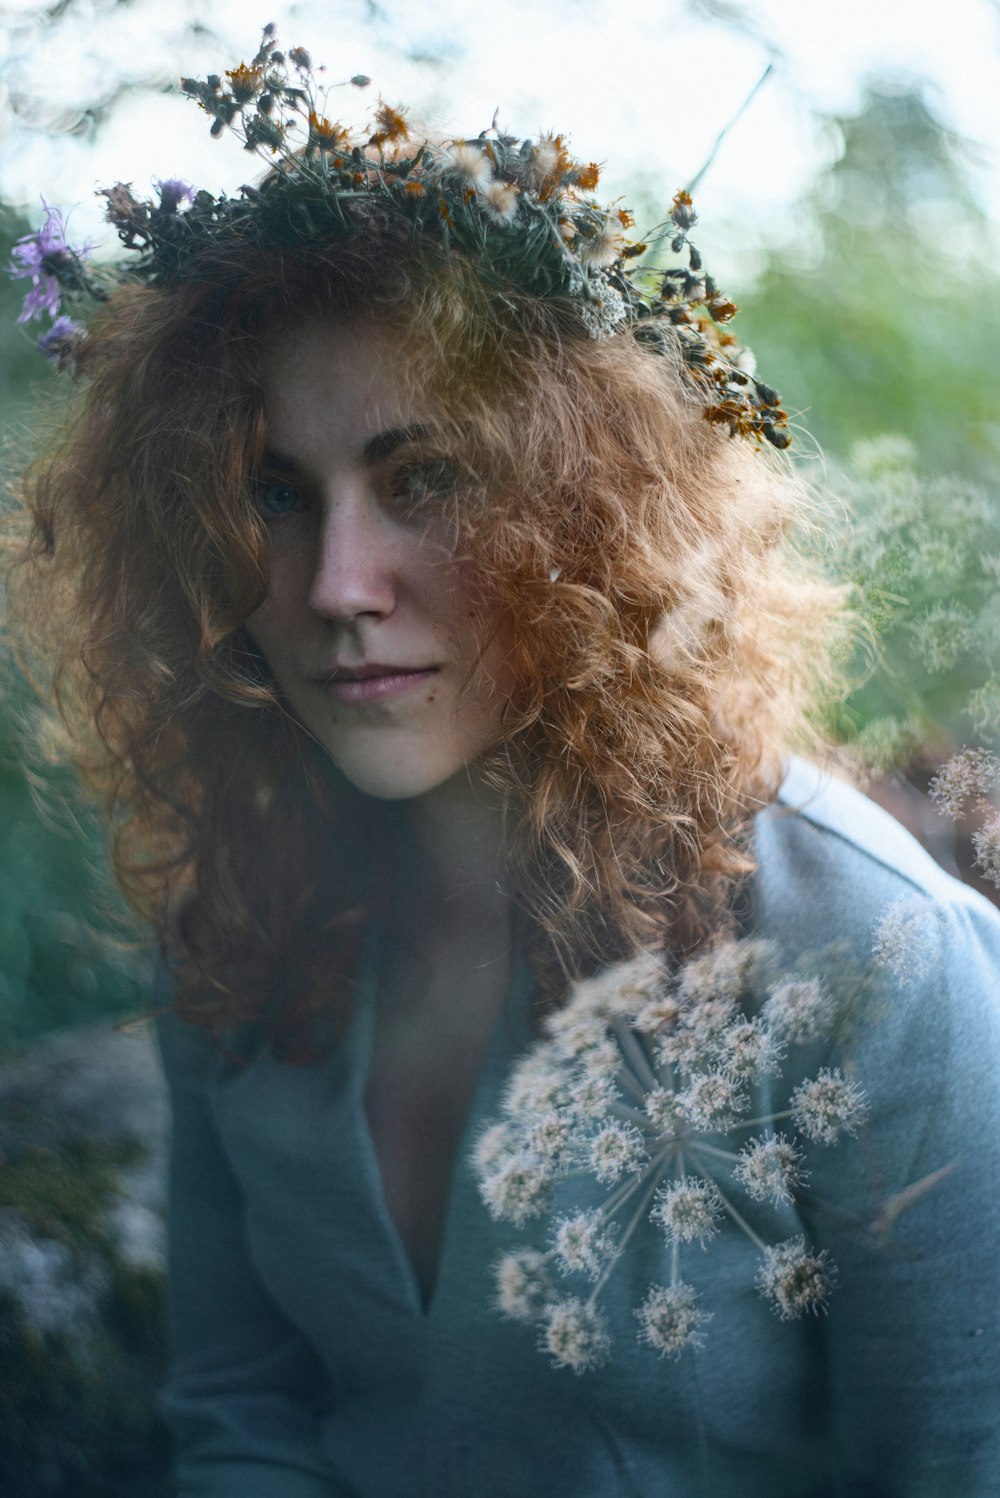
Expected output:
(384, 444)
(280, 462)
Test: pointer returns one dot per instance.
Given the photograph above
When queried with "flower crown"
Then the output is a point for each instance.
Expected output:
(522, 211)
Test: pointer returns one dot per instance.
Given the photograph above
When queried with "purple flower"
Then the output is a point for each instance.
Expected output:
(59, 343)
(44, 256)
(175, 195)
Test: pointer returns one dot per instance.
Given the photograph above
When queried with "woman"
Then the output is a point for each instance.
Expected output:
(438, 663)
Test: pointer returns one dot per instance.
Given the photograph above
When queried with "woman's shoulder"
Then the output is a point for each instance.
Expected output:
(834, 869)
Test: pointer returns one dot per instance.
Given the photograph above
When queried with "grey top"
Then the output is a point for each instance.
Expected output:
(305, 1366)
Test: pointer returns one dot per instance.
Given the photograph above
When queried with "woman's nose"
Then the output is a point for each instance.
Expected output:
(355, 564)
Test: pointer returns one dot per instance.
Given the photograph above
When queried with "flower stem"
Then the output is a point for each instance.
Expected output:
(740, 1221)
(697, 1148)
(766, 1118)
(633, 1224)
(635, 1055)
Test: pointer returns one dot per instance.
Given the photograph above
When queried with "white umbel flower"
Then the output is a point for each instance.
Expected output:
(688, 1210)
(669, 1319)
(794, 1280)
(518, 1189)
(581, 1244)
(616, 1150)
(523, 1284)
(799, 1009)
(575, 1335)
(828, 1105)
(770, 1169)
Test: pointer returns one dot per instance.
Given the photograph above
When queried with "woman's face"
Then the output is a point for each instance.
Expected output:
(370, 627)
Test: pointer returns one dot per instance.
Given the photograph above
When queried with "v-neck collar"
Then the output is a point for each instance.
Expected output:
(510, 1035)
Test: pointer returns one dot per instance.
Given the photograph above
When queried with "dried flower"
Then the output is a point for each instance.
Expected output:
(47, 260)
(669, 1319)
(175, 195)
(61, 342)
(468, 161)
(794, 1280)
(245, 83)
(392, 127)
(499, 201)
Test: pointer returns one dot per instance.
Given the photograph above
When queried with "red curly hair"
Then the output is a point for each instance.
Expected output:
(662, 641)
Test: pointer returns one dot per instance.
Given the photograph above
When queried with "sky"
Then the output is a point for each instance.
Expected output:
(644, 89)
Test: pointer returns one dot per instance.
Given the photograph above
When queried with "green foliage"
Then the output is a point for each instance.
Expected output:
(80, 1423)
(884, 314)
(922, 558)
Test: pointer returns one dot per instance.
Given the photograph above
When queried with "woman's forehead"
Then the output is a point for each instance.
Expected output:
(339, 387)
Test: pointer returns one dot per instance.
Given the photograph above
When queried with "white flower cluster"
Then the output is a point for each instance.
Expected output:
(634, 1084)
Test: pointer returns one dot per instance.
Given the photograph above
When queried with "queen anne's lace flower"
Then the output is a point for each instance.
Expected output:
(747, 1050)
(638, 1098)
(770, 1169)
(713, 1101)
(493, 1145)
(906, 938)
(581, 1244)
(523, 1284)
(670, 1320)
(688, 1210)
(828, 1106)
(794, 1280)
(799, 1009)
(517, 1189)
(575, 1335)
(549, 1138)
(986, 846)
(616, 1150)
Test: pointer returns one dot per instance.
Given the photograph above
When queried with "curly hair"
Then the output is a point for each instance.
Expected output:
(663, 643)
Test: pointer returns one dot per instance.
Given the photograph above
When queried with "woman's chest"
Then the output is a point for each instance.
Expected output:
(428, 1048)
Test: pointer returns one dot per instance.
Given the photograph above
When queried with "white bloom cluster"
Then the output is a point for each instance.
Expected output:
(906, 938)
(635, 1084)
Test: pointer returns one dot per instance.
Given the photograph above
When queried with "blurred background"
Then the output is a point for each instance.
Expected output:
(853, 212)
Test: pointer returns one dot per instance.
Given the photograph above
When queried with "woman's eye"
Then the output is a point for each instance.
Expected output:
(430, 482)
(276, 498)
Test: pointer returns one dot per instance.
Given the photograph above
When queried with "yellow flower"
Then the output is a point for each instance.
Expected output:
(245, 82)
(588, 176)
(392, 126)
(327, 136)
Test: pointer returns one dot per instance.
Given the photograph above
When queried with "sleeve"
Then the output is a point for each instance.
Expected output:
(245, 1390)
(913, 1331)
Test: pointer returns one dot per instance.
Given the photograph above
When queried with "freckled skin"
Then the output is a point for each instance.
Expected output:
(359, 574)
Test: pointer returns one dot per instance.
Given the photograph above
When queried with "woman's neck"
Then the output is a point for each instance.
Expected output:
(458, 847)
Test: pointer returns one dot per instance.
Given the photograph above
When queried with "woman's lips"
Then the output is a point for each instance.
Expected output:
(358, 690)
